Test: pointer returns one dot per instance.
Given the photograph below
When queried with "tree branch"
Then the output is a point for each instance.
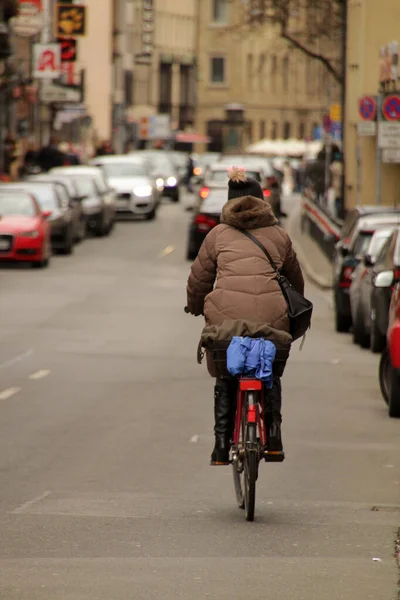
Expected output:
(312, 54)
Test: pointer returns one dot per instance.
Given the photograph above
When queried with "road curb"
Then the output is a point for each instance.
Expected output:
(318, 280)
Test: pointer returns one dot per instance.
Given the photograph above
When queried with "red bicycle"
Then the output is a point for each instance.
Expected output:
(249, 443)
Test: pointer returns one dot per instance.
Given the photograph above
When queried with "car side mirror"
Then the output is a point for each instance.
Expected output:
(368, 262)
(344, 250)
(46, 214)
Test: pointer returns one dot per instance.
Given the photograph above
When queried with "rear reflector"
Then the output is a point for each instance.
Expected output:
(247, 385)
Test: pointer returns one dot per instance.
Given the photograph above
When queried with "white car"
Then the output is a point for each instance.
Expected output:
(137, 191)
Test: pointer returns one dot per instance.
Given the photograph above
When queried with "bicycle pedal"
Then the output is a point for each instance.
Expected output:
(274, 456)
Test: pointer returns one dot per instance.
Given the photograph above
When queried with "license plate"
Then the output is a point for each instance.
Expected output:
(4, 245)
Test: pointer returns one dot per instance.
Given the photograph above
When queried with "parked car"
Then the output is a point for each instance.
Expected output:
(352, 218)
(75, 199)
(137, 192)
(62, 215)
(360, 289)
(389, 367)
(348, 254)
(24, 229)
(99, 205)
(163, 171)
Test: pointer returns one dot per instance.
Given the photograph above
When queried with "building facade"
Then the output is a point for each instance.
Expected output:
(371, 26)
(283, 93)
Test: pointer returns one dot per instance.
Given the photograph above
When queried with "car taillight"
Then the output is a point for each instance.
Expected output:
(205, 223)
(396, 274)
(267, 193)
(272, 180)
(345, 282)
(204, 192)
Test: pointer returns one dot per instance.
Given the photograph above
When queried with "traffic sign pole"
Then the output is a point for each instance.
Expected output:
(379, 153)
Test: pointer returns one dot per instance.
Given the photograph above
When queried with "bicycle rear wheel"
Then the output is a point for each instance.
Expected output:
(250, 471)
(238, 461)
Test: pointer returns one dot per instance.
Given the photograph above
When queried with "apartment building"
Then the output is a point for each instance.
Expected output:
(282, 93)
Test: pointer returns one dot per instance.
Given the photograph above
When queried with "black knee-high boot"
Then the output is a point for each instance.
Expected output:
(273, 417)
(224, 407)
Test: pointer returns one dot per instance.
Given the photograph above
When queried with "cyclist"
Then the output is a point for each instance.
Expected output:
(246, 288)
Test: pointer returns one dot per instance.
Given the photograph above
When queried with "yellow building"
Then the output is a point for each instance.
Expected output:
(371, 26)
(283, 93)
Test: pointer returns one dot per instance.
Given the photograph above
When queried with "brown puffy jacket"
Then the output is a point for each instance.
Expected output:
(246, 287)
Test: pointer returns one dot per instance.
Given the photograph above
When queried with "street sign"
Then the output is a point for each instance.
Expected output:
(366, 128)
(46, 61)
(391, 108)
(367, 108)
(68, 50)
(388, 135)
(29, 21)
(335, 112)
(70, 20)
(51, 93)
(336, 130)
(160, 127)
(391, 155)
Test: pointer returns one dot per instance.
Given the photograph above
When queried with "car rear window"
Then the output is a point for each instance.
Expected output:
(123, 169)
(362, 242)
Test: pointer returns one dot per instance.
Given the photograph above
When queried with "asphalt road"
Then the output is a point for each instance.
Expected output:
(106, 432)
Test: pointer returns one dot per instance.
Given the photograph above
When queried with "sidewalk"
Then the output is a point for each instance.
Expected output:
(313, 261)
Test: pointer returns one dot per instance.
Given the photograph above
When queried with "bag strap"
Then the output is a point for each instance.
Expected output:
(265, 251)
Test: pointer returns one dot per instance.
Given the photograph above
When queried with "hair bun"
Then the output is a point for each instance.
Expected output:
(237, 175)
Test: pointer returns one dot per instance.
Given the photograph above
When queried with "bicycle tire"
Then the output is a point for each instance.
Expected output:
(250, 472)
(238, 464)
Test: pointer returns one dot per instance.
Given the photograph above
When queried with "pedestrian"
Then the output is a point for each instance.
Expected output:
(246, 289)
(49, 156)
(30, 164)
(70, 158)
(105, 149)
(189, 173)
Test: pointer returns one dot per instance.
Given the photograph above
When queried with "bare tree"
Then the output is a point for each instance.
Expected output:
(313, 27)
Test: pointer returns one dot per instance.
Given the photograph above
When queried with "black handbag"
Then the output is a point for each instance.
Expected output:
(299, 308)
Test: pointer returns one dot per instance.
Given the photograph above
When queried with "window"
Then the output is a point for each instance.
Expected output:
(250, 74)
(286, 130)
(219, 10)
(217, 69)
(262, 130)
(302, 131)
(274, 131)
(165, 87)
(261, 72)
(274, 70)
(285, 74)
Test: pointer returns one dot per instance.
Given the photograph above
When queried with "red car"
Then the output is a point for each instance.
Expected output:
(389, 368)
(24, 230)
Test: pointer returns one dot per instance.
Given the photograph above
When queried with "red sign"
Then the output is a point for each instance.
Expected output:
(391, 108)
(367, 108)
(68, 50)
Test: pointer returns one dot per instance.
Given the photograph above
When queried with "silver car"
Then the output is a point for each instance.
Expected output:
(136, 189)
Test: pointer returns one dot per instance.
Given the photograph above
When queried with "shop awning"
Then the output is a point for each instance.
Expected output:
(191, 138)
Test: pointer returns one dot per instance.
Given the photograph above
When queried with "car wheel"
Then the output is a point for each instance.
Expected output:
(41, 264)
(175, 196)
(69, 243)
(360, 335)
(151, 215)
(384, 374)
(377, 341)
(394, 394)
(342, 322)
(102, 228)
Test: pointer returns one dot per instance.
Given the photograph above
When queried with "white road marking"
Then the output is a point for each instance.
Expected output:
(16, 359)
(5, 394)
(40, 374)
(30, 503)
(168, 250)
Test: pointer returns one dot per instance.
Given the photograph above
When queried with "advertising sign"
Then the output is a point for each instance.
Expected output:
(68, 48)
(389, 63)
(29, 21)
(46, 61)
(70, 20)
(147, 34)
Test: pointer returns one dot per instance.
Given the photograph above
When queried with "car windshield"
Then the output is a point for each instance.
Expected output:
(123, 169)
(378, 241)
(15, 203)
(85, 186)
(44, 194)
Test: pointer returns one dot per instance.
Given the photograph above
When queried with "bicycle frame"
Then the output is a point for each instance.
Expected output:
(255, 409)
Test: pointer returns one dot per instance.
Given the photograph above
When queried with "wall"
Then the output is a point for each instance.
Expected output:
(371, 24)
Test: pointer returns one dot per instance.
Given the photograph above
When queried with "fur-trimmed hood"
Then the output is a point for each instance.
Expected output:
(248, 212)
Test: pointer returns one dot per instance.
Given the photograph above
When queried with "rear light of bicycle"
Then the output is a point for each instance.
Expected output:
(250, 385)
(204, 192)
(267, 193)
(205, 223)
(345, 281)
